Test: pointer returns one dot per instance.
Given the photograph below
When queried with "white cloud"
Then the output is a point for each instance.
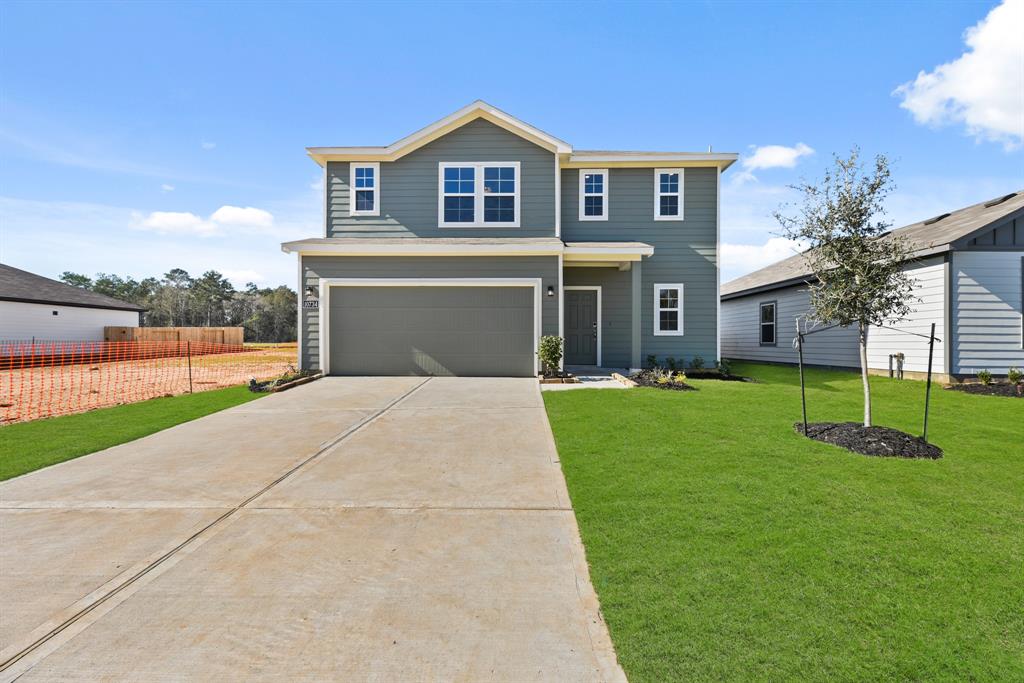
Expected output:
(244, 217)
(983, 88)
(167, 188)
(241, 220)
(775, 156)
(740, 259)
(240, 278)
(207, 145)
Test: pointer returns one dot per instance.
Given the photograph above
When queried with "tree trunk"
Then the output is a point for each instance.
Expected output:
(863, 342)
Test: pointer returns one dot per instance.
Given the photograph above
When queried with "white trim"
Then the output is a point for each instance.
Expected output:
(761, 324)
(327, 283)
(478, 193)
(367, 247)
(580, 252)
(558, 196)
(561, 307)
(658, 309)
(718, 264)
(584, 157)
(301, 315)
(600, 341)
(375, 211)
(658, 194)
(324, 214)
(604, 193)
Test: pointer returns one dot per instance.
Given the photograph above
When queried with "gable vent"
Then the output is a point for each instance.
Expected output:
(936, 219)
(1000, 200)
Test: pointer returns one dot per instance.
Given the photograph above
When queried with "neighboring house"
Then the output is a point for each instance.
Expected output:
(36, 307)
(968, 269)
(453, 250)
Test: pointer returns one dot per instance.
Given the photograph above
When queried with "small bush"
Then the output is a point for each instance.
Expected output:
(671, 363)
(679, 378)
(723, 367)
(550, 353)
(652, 361)
(697, 363)
(1014, 375)
(985, 377)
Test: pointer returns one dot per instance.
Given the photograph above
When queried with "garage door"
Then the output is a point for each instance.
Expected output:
(463, 331)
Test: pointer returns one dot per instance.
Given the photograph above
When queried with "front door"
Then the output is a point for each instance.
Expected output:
(580, 327)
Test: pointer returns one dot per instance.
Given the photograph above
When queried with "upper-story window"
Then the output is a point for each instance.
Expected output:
(478, 195)
(668, 194)
(364, 181)
(768, 323)
(593, 194)
(668, 309)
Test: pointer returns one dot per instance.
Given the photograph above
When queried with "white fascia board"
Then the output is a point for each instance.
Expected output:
(682, 159)
(607, 253)
(372, 249)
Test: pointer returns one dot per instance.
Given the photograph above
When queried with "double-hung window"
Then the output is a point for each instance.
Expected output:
(668, 309)
(767, 337)
(593, 194)
(478, 194)
(364, 181)
(668, 194)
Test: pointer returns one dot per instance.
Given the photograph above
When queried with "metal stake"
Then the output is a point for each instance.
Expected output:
(928, 386)
(800, 352)
(188, 351)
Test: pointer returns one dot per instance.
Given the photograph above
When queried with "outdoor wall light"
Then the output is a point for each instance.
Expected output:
(312, 291)
(551, 290)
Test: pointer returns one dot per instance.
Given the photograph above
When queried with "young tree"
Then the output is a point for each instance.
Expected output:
(857, 265)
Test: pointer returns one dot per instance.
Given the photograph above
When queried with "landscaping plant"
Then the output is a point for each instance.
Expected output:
(1014, 375)
(652, 361)
(985, 377)
(697, 363)
(550, 353)
(857, 265)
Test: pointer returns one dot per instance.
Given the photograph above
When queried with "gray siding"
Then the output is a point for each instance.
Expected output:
(741, 331)
(1007, 235)
(988, 315)
(316, 267)
(409, 187)
(616, 317)
(684, 252)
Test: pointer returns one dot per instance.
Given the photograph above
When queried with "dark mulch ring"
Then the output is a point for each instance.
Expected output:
(879, 441)
(714, 374)
(994, 389)
(647, 378)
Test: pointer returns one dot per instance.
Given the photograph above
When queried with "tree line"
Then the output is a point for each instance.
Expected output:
(180, 300)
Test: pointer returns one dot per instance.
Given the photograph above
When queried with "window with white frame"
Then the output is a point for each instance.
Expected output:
(478, 195)
(668, 309)
(668, 194)
(593, 194)
(767, 337)
(364, 181)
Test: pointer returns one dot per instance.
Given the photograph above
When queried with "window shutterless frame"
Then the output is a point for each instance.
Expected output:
(593, 205)
(767, 323)
(364, 189)
(486, 184)
(668, 194)
(668, 310)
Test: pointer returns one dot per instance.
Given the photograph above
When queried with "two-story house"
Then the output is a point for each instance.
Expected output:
(454, 249)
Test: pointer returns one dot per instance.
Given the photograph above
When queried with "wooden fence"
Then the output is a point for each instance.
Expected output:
(211, 335)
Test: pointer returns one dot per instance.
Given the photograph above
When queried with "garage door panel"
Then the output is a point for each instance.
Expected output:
(432, 330)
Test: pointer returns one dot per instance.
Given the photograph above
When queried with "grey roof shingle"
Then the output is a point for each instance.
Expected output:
(924, 237)
(21, 285)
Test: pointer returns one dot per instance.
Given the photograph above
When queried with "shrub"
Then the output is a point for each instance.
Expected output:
(652, 361)
(724, 367)
(550, 353)
(671, 363)
(696, 362)
(1014, 375)
(985, 377)
(679, 378)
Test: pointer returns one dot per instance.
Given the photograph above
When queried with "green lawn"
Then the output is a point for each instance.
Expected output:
(28, 446)
(724, 546)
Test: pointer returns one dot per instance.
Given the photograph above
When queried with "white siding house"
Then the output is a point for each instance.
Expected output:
(968, 270)
(35, 307)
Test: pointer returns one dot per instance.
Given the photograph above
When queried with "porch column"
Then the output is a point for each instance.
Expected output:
(636, 283)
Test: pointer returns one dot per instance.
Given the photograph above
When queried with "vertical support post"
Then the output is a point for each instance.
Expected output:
(800, 353)
(928, 386)
(188, 352)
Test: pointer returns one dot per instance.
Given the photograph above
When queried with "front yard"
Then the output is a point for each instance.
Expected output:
(723, 545)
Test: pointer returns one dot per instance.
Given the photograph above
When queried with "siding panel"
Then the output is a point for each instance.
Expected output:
(988, 315)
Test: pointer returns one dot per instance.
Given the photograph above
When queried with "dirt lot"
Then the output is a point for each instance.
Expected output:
(33, 393)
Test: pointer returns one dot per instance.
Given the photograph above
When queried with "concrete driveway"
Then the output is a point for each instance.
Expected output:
(386, 529)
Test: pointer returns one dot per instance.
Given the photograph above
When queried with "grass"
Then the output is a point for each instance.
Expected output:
(724, 546)
(27, 446)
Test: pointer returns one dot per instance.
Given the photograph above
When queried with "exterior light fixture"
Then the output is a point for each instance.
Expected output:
(551, 290)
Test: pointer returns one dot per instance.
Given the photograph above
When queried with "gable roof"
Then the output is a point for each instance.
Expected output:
(930, 236)
(21, 285)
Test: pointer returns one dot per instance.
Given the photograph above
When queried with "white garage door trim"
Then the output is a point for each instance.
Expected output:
(327, 283)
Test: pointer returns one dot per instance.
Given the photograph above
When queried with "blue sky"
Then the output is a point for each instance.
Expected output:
(139, 137)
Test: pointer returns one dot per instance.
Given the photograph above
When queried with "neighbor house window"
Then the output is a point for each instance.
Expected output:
(593, 194)
(668, 194)
(364, 181)
(668, 309)
(768, 323)
(477, 195)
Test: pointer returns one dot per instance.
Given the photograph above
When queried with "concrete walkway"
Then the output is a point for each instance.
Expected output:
(386, 529)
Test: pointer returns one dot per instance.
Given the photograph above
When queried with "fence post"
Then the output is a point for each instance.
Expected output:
(928, 386)
(800, 352)
(188, 351)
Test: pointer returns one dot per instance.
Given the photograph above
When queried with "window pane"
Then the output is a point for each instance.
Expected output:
(499, 209)
(458, 180)
(451, 174)
(668, 298)
(593, 183)
(669, 182)
(491, 173)
(500, 179)
(458, 209)
(768, 334)
(669, 206)
(593, 206)
(669, 321)
(364, 200)
(768, 313)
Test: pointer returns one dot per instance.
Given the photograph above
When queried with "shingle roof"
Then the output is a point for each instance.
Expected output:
(925, 237)
(20, 285)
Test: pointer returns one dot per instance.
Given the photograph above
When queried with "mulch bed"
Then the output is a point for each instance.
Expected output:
(715, 374)
(646, 378)
(994, 389)
(878, 441)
